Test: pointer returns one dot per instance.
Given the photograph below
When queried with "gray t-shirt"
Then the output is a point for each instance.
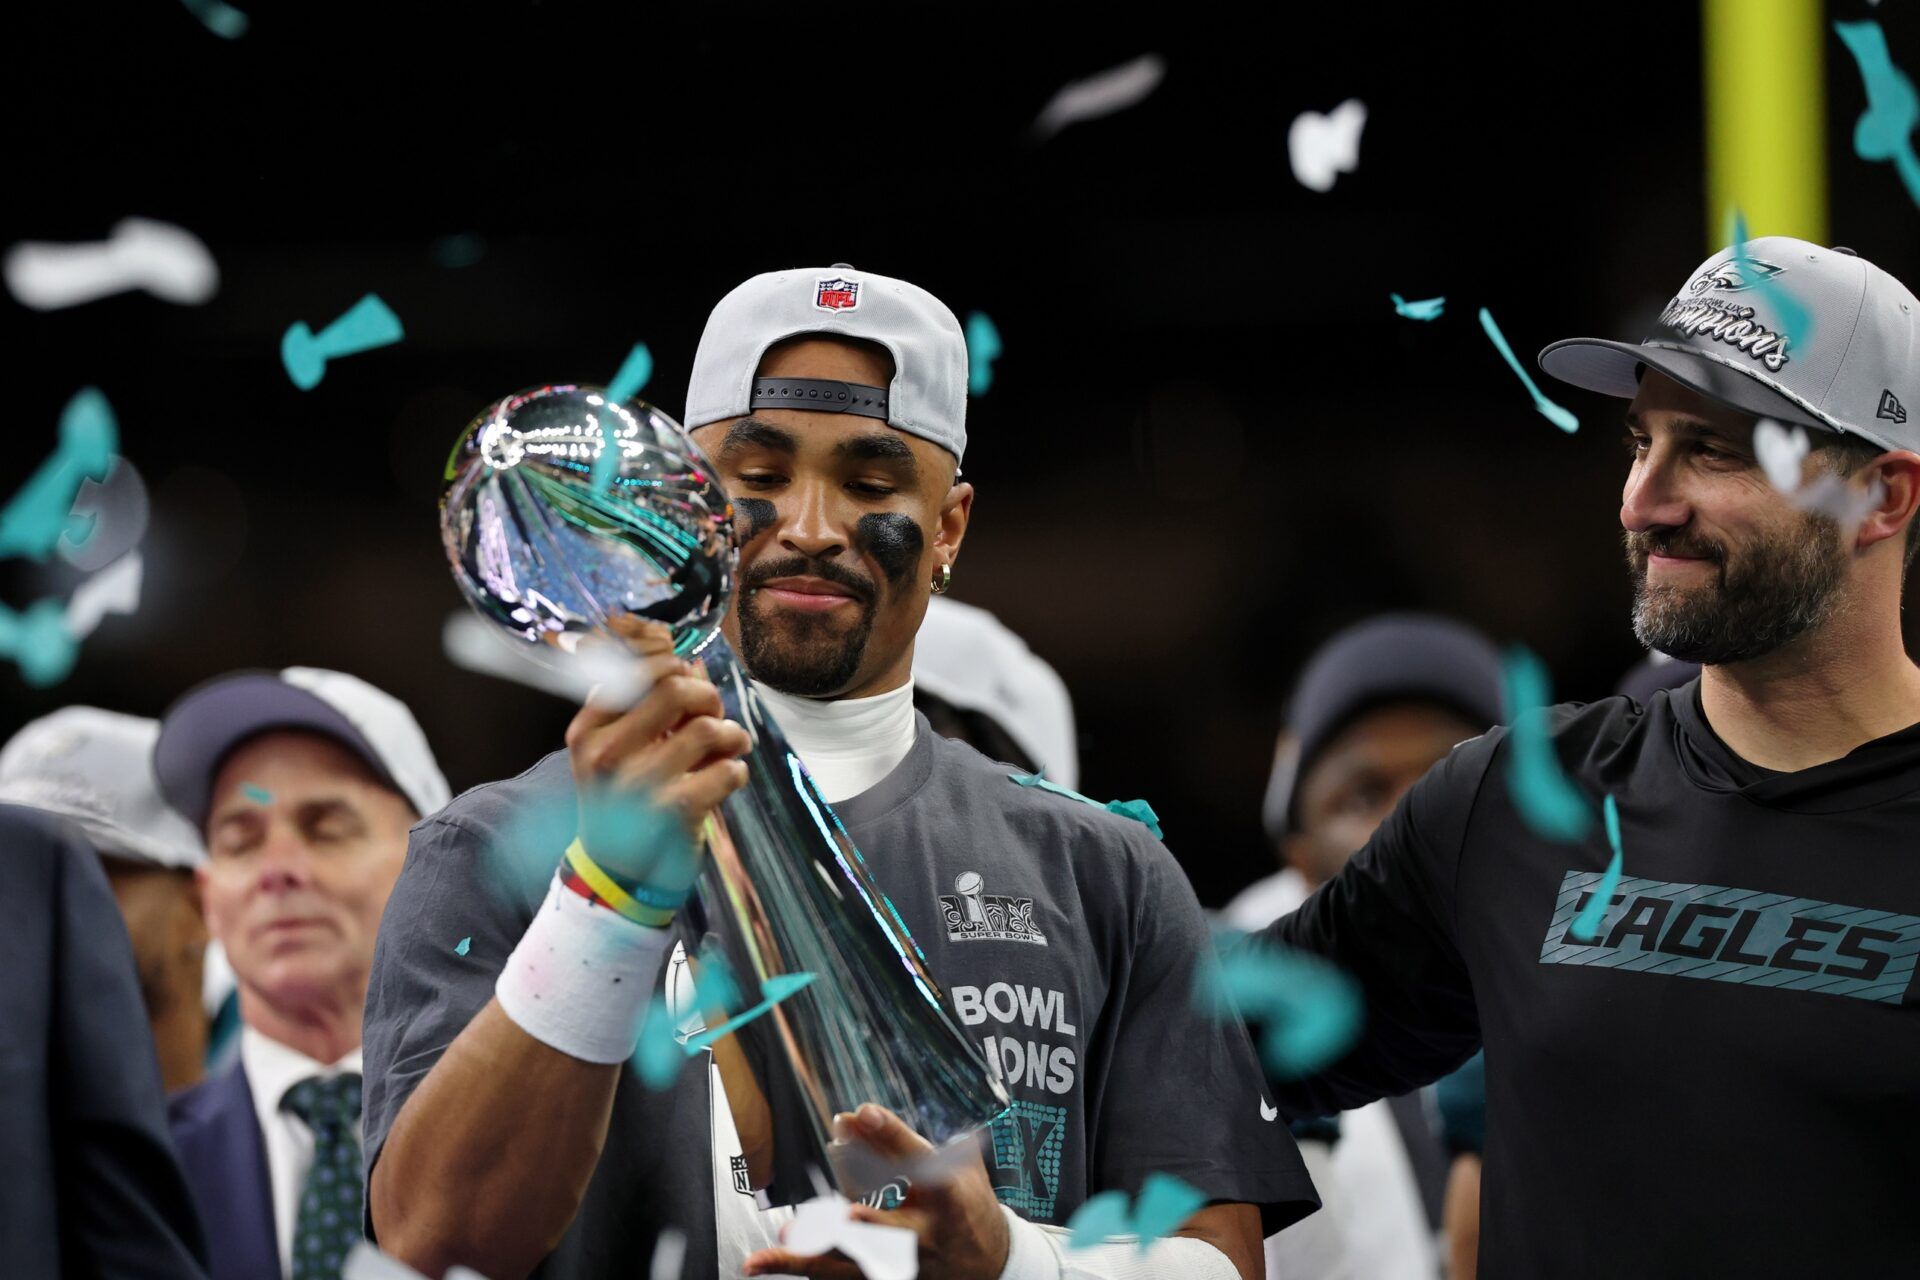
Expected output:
(1066, 939)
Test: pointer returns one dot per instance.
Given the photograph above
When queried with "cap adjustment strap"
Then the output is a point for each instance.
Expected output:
(822, 394)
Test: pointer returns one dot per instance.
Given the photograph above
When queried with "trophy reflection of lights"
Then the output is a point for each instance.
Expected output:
(541, 549)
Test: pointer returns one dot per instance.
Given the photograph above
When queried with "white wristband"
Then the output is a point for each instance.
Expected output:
(1035, 1252)
(582, 977)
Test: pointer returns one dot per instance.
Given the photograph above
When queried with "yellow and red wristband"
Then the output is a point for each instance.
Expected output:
(641, 904)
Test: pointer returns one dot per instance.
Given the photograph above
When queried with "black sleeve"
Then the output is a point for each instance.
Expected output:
(1204, 1120)
(124, 1205)
(1388, 920)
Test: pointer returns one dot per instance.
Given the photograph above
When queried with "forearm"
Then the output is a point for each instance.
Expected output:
(487, 1162)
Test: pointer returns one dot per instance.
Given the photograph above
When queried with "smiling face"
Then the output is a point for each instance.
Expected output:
(843, 522)
(1725, 569)
(304, 845)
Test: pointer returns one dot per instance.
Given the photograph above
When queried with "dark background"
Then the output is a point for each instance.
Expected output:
(1209, 443)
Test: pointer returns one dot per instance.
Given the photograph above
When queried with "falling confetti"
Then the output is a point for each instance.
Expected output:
(634, 372)
(461, 947)
(669, 1255)
(1586, 925)
(1163, 1204)
(366, 1262)
(36, 517)
(1138, 810)
(219, 17)
(1780, 450)
(1885, 128)
(1547, 800)
(1310, 1008)
(780, 987)
(1796, 325)
(604, 671)
(1114, 89)
(826, 1223)
(983, 348)
(166, 261)
(1552, 412)
(259, 795)
(1425, 309)
(114, 589)
(369, 323)
(1321, 147)
(38, 642)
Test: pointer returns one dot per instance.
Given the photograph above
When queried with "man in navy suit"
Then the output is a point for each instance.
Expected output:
(304, 783)
(91, 1186)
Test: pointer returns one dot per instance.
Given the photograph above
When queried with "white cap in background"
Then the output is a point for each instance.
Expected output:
(96, 768)
(966, 657)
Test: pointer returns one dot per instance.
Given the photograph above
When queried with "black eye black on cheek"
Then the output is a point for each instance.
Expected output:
(758, 514)
(894, 540)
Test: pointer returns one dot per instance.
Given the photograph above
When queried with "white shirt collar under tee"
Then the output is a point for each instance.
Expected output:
(847, 744)
(272, 1068)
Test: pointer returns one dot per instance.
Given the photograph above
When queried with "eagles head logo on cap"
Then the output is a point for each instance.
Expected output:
(1728, 277)
(836, 294)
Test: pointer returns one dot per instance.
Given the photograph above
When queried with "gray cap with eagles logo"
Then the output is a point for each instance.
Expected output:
(1855, 368)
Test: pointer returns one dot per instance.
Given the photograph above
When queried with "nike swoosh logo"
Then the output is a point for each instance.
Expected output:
(1268, 1112)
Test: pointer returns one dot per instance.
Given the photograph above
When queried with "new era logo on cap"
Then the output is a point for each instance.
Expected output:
(836, 294)
(1891, 408)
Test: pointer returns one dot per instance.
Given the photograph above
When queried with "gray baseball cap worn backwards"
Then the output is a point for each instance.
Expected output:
(927, 396)
(1855, 367)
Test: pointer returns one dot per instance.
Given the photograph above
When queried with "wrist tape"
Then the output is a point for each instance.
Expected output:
(582, 977)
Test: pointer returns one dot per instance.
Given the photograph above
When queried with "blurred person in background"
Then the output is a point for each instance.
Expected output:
(304, 783)
(91, 1186)
(977, 681)
(94, 769)
(1374, 708)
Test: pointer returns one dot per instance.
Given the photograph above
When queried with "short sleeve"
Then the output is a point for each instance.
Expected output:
(446, 934)
(1388, 920)
(1183, 1092)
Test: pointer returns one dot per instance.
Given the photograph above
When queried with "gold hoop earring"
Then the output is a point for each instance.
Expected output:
(945, 580)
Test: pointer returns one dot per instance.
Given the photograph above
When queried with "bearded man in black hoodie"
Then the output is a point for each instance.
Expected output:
(1723, 1078)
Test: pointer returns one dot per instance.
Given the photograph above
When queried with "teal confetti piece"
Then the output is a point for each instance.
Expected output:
(369, 323)
(657, 1056)
(1098, 1218)
(626, 384)
(774, 990)
(456, 251)
(1425, 309)
(36, 517)
(1311, 1008)
(637, 841)
(714, 987)
(461, 949)
(983, 348)
(1885, 129)
(219, 17)
(1586, 925)
(1552, 412)
(1164, 1203)
(635, 370)
(1796, 324)
(1138, 810)
(1547, 800)
(259, 795)
(39, 642)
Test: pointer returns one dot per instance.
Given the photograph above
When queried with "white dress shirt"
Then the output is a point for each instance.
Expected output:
(272, 1068)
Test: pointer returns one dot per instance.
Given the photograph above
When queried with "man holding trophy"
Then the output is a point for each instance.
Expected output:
(504, 1130)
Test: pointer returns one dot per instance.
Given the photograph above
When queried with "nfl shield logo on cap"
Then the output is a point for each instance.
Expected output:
(836, 294)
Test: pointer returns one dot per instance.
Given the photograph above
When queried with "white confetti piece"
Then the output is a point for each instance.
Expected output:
(882, 1253)
(1114, 89)
(1780, 450)
(115, 589)
(167, 261)
(1321, 147)
(669, 1255)
(608, 672)
(365, 1262)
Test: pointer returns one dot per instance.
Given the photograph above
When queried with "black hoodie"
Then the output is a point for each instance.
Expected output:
(1726, 1082)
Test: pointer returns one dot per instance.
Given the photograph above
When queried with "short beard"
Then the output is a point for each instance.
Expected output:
(805, 656)
(1775, 590)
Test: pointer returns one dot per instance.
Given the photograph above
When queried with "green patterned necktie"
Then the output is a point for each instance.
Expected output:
(328, 1222)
